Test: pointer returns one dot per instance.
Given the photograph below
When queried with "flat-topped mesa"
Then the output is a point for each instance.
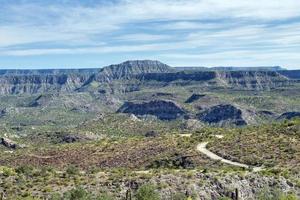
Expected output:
(129, 69)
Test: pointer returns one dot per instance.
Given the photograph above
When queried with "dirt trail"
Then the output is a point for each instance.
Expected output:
(202, 148)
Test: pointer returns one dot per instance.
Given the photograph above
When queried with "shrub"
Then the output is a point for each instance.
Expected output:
(77, 194)
(26, 170)
(72, 170)
(8, 171)
(147, 192)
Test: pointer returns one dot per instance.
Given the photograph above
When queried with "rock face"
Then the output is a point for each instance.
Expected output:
(164, 110)
(224, 114)
(31, 84)
(289, 115)
(253, 80)
(194, 97)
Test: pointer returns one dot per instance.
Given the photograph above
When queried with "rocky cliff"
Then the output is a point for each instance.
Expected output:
(222, 115)
(164, 110)
(30, 84)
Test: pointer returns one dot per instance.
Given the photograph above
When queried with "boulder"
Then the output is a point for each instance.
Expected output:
(151, 134)
(9, 143)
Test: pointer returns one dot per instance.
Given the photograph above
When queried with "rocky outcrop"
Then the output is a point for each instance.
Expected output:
(71, 138)
(3, 112)
(10, 144)
(224, 114)
(289, 115)
(164, 110)
(194, 97)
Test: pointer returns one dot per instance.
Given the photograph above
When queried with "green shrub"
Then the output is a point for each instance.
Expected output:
(8, 171)
(147, 192)
(25, 169)
(77, 194)
(72, 170)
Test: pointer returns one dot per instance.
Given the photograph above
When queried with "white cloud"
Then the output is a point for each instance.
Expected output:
(203, 27)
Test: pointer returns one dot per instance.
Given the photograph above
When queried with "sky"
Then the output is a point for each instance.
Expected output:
(95, 33)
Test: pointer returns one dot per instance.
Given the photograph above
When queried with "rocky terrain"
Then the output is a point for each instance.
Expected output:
(131, 130)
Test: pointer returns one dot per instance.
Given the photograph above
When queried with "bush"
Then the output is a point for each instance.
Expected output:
(72, 170)
(77, 194)
(147, 192)
(8, 171)
(26, 170)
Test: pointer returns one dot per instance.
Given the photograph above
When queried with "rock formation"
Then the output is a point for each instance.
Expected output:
(224, 114)
(164, 110)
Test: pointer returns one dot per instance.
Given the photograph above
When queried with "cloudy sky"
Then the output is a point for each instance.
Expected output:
(95, 33)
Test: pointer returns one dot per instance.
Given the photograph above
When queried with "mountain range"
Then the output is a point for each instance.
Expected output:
(218, 96)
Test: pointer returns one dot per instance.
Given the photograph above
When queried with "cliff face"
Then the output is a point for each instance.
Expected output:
(292, 74)
(30, 84)
(258, 80)
(143, 72)
(223, 115)
(253, 80)
(164, 110)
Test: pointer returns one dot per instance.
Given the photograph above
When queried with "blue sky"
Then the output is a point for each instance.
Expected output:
(95, 33)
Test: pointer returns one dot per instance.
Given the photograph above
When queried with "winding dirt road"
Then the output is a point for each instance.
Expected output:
(202, 148)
